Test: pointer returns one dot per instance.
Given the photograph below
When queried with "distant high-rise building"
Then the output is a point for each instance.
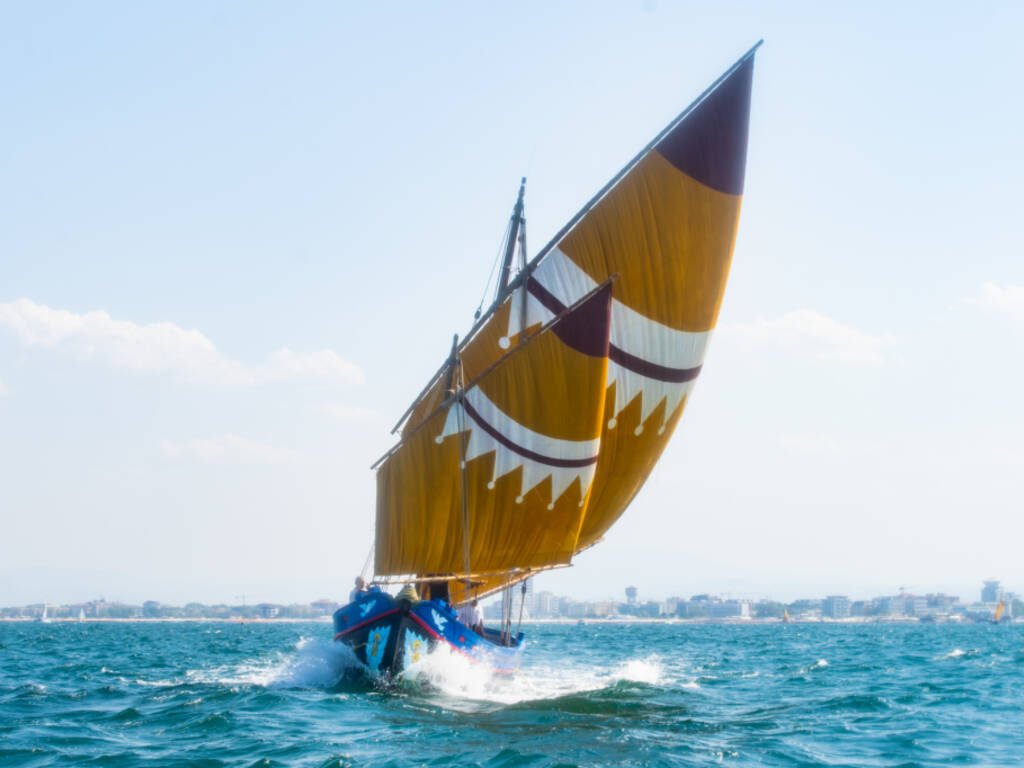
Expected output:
(631, 595)
(916, 606)
(992, 592)
(547, 604)
(836, 607)
(530, 598)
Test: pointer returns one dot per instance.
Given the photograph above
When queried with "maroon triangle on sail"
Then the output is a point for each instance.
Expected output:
(710, 144)
(586, 327)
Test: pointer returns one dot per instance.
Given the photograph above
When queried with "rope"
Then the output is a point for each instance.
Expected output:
(369, 556)
(462, 479)
(494, 267)
(522, 605)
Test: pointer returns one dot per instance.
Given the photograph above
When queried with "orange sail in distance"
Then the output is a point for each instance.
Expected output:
(658, 241)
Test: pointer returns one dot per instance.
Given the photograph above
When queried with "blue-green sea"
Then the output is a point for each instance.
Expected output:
(275, 694)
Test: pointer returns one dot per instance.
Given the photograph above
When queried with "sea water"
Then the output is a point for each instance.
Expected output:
(277, 694)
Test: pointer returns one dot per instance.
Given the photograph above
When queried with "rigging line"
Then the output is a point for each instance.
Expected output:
(369, 555)
(461, 415)
(494, 268)
(522, 604)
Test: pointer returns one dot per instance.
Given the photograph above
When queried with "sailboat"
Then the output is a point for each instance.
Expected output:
(999, 612)
(44, 617)
(546, 418)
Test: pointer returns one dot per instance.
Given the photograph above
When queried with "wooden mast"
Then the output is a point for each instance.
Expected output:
(510, 246)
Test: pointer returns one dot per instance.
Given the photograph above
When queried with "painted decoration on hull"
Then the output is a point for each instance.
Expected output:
(519, 445)
(667, 229)
(416, 648)
(376, 643)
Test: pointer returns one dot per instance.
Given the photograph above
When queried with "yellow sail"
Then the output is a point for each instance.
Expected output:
(999, 611)
(666, 227)
(497, 478)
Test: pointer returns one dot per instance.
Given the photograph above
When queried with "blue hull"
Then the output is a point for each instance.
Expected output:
(388, 636)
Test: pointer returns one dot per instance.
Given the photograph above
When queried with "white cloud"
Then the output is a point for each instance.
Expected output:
(162, 348)
(226, 449)
(350, 414)
(1008, 298)
(809, 446)
(827, 338)
(3, 389)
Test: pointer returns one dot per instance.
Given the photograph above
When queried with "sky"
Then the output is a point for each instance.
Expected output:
(236, 238)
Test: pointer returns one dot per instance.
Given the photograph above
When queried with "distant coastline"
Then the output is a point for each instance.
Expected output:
(603, 621)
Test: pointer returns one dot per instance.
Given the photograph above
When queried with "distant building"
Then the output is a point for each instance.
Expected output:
(547, 604)
(992, 592)
(861, 608)
(576, 610)
(268, 611)
(729, 609)
(836, 607)
(631, 595)
(651, 609)
(942, 604)
(492, 611)
(891, 606)
(324, 607)
(915, 606)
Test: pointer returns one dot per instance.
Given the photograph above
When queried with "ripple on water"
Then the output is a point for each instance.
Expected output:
(269, 695)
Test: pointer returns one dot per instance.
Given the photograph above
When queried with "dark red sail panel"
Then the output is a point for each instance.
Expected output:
(586, 328)
(710, 144)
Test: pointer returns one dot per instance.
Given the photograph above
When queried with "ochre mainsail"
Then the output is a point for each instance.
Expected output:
(497, 477)
(666, 227)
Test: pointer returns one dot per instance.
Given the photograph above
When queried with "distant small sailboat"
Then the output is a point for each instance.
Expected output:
(999, 612)
(81, 615)
(44, 618)
(785, 616)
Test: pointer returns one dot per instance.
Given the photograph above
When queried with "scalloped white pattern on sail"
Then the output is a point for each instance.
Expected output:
(631, 332)
(629, 384)
(480, 441)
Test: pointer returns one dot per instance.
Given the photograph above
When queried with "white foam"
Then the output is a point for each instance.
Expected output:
(464, 679)
(641, 671)
(316, 663)
(956, 653)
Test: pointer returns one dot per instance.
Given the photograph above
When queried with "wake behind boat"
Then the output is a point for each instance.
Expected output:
(546, 419)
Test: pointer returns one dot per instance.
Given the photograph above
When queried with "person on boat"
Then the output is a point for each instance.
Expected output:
(360, 588)
(470, 615)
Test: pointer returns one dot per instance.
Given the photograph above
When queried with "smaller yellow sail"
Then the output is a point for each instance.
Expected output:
(497, 478)
(999, 610)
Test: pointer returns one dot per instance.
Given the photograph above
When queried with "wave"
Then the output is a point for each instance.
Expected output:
(956, 653)
(315, 663)
(458, 677)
